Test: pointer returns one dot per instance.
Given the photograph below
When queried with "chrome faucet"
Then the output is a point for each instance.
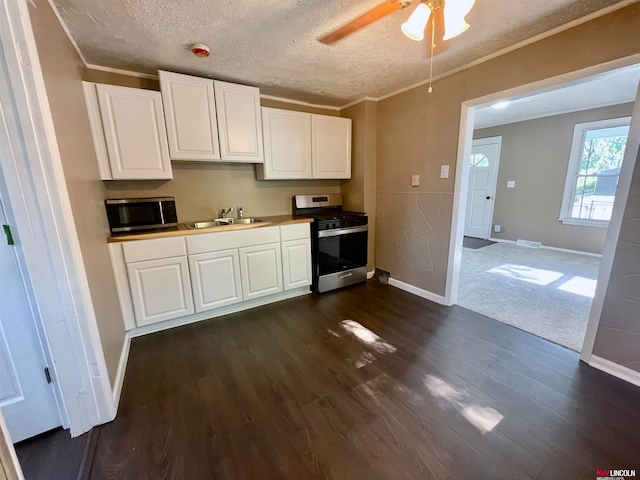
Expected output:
(240, 213)
(224, 213)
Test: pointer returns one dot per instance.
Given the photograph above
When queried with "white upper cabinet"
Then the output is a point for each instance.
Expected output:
(331, 146)
(239, 122)
(190, 114)
(287, 145)
(134, 140)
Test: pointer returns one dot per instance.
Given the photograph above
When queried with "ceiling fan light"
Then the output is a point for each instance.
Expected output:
(414, 27)
(454, 13)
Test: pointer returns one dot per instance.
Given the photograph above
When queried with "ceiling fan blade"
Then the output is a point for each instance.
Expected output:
(381, 11)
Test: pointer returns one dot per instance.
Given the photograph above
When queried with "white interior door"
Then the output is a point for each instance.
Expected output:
(483, 173)
(26, 398)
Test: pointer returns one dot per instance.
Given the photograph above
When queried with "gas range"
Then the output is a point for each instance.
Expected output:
(339, 241)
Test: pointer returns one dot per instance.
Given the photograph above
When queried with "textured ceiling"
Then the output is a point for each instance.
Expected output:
(272, 43)
(611, 88)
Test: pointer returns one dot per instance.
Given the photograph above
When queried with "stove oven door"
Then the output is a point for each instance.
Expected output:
(341, 257)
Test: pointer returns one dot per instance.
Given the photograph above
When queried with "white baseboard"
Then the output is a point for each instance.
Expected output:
(198, 317)
(616, 370)
(122, 368)
(417, 291)
(546, 247)
(370, 274)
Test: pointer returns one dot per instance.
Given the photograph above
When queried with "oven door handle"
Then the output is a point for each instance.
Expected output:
(342, 231)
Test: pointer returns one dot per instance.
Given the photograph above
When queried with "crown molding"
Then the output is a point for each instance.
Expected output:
(355, 102)
(298, 102)
(120, 71)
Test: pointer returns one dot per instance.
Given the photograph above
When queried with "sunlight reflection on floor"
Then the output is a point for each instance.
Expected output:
(527, 274)
(367, 337)
(580, 286)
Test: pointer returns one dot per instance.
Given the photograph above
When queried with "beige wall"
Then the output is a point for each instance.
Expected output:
(63, 72)
(418, 132)
(359, 191)
(535, 154)
(618, 337)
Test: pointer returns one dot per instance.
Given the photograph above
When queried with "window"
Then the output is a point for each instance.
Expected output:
(479, 160)
(594, 168)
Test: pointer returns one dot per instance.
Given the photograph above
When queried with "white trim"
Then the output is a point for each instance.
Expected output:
(546, 247)
(299, 102)
(418, 291)
(122, 284)
(584, 223)
(219, 312)
(39, 198)
(122, 369)
(371, 274)
(494, 188)
(613, 233)
(56, 12)
(577, 146)
(120, 71)
(616, 370)
(355, 102)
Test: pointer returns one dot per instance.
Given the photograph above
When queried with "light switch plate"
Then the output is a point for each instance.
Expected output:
(444, 171)
(415, 180)
(497, 228)
(511, 184)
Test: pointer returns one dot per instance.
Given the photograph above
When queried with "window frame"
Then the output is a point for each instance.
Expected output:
(577, 146)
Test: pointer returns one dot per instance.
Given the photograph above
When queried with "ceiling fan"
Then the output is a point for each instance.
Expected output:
(447, 21)
(447, 16)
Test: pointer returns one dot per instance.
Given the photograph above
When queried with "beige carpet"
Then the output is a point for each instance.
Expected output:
(541, 291)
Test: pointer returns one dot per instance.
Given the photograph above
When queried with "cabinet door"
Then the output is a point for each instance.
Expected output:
(216, 279)
(239, 122)
(296, 263)
(261, 270)
(287, 144)
(160, 290)
(331, 146)
(134, 132)
(190, 114)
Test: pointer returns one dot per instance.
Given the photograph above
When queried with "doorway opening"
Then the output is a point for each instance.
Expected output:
(535, 200)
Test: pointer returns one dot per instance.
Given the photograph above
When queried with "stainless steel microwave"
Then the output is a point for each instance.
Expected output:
(135, 214)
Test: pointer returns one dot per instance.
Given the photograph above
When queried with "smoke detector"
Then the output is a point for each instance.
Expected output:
(200, 50)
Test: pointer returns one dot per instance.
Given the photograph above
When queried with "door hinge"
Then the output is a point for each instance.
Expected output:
(47, 374)
(7, 232)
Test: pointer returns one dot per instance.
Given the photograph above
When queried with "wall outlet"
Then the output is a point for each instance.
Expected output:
(415, 180)
(511, 184)
(497, 228)
(444, 171)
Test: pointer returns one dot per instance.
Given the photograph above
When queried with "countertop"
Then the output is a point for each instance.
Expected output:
(270, 221)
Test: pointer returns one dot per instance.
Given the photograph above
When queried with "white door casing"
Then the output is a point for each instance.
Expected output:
(287, 144)
(135, 133)
(190, 115)
(261, 270)
(160, 289)
(483, 174)
(216, 279)
(296, 263)
(239, 122)
(27, 400)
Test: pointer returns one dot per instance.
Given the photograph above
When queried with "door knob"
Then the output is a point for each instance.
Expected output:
(488, 198)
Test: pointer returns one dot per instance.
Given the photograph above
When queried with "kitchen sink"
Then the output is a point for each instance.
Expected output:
(219, 222)
(244, 221)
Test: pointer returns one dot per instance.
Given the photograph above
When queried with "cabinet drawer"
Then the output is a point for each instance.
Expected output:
(213, 242)
(295, 231)
(142, 250)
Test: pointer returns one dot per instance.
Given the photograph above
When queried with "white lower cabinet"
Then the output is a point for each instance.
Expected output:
(261, 270)
(216, 279)
(296, 263)
(160, 289)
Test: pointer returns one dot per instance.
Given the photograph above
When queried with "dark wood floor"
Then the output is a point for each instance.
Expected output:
(285, 391)
(52, 455)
